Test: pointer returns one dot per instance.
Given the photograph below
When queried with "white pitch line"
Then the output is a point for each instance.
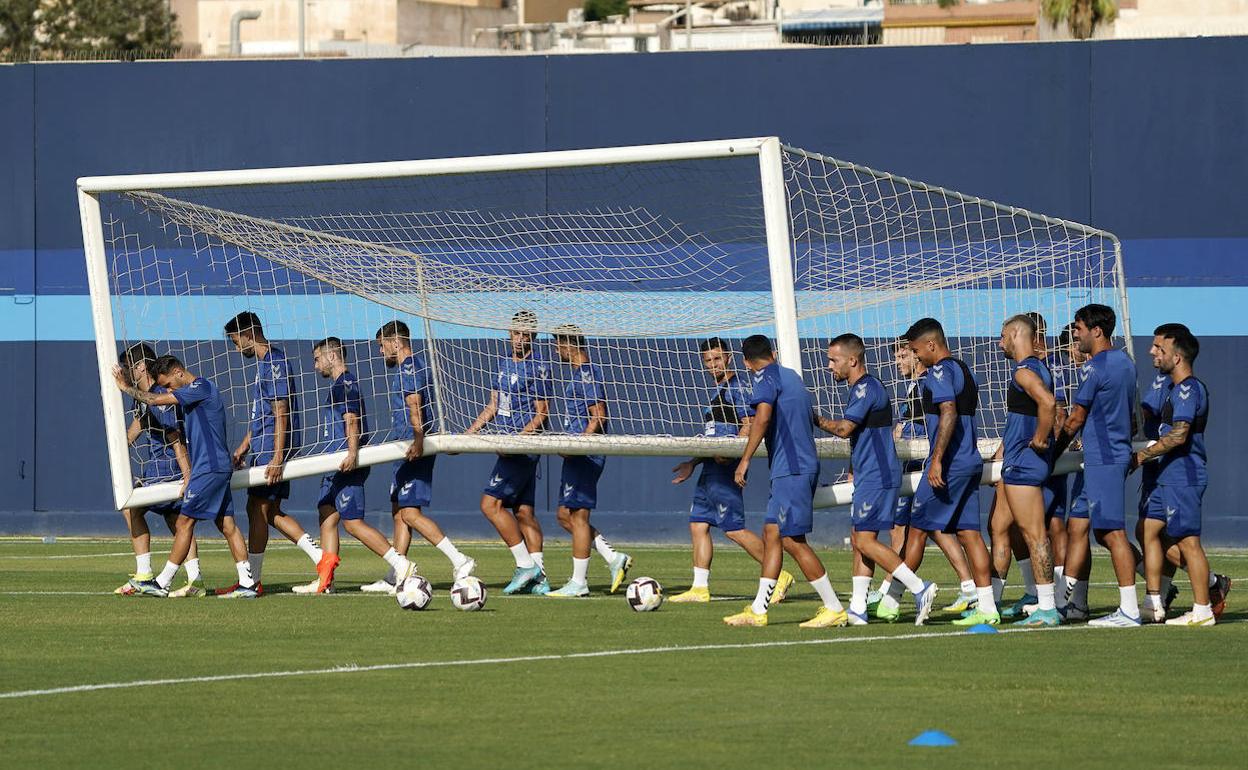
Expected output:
(353, 669)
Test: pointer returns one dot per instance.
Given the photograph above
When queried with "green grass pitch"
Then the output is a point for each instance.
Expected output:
(538, 683)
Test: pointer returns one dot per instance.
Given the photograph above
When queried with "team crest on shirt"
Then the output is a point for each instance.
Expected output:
(515, 379)
(1087, 368)
(938, 372)
(277, 370)
(587, 377)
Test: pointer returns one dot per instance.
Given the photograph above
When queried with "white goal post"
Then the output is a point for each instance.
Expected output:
(648, 249)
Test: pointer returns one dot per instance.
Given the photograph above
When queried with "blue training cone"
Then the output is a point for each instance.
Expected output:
(932, 738)
(982, 628)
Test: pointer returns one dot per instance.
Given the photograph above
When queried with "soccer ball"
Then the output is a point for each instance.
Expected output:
(414, 594)
(468, 594)
(644, 594)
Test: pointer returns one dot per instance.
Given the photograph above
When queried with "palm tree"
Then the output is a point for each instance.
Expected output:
(1081, 16)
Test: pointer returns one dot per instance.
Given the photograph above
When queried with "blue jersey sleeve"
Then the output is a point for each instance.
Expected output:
(740, 401)
(862, 401)
(351, 400)
(1186, 401)
(275, 379)
(1087, 389)
(596, 392)
(764, 391)
(411, 380)
(941, 383)
(191, 394)
(543, 386)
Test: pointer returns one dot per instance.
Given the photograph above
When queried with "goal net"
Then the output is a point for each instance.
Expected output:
(647, 251)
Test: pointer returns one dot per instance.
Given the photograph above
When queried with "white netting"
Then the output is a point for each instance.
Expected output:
(647, 259)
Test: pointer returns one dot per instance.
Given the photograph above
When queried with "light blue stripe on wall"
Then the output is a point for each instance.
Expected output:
(1209, 311)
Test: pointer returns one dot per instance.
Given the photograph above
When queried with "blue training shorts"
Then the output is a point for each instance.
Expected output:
(718, 501)
(1056, 498)
(873, 510)
(208, 496)
(514, 480)
(1102, 497)
(1179, 507)
(1025, 468)
(791, 504)
(413, 482)
(954, 507)
(578, 481)
(344, 492)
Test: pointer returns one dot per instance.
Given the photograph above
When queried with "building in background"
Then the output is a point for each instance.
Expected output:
(447, 27)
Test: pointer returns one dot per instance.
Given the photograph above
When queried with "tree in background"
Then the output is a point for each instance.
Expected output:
(1081, 16)
(66, 29)
(18, 20)
(599, 10)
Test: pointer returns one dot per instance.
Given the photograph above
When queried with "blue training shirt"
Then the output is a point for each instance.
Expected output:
(1020, 428)
(1151, 404)
(723, 417)
(274, 380)
(156, 456)
(910, 411)
(1107, 392)
(583, 391)
(790, 434)
(343, 399)
(204, 418)
(944, 382)
(412, 378)
(874, 455)
(520, 385)
(1185, 465)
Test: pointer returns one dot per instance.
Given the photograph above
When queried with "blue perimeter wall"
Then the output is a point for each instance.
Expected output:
(1142, 138)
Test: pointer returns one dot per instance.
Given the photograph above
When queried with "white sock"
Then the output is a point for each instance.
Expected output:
(520, 552)
(701, 577)
(823, 587)
(192, 570)
(143, 563)
(257, 565)
(450, 551)
(580, 570)
(1127, 601)
(1165, 585)
(766, 587)
(858, 599)
(1029, 577)
(912, 582)
(1045, 596)
(397, 561)
(886, 584)
(1153, 601)
(1080, 597)
(307, 546)
(165, 578)
(539, 559)
(604, 548)
(967, 587)
(246, 578)
(1202, 611)
(987, 604)
(998, 588)
(1058, 572)
(895, 590)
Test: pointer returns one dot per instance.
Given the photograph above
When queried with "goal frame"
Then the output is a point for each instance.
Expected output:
(779, 250)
